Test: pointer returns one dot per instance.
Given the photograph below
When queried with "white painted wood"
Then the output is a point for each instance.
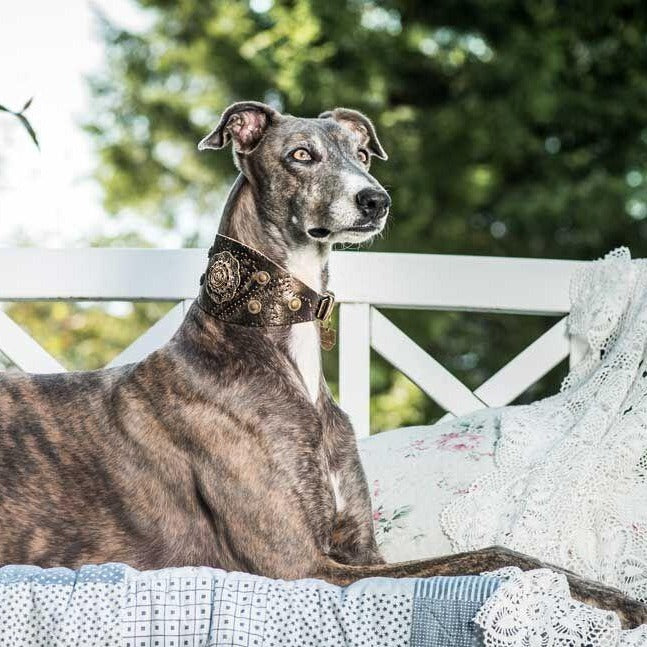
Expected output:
(96, 274)
(482, 283)
(526, 368)
(430, 281)
(23, 351)
(355, 365)
(433, 378)
(155, 337)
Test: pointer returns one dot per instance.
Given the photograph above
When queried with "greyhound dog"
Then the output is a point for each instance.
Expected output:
(225, 448)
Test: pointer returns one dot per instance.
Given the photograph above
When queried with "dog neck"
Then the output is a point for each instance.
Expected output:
(243, 220)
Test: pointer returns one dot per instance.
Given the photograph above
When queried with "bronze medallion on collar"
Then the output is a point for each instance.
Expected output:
(223, 277)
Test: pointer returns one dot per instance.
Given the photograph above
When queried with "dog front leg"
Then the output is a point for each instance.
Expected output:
(353, 538)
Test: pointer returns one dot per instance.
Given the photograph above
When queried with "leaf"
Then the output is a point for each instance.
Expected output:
(401, 512)
(27, 104)
(30, 130)
(24, 120)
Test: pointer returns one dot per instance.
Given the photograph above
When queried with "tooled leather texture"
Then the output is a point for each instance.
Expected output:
(232, 289)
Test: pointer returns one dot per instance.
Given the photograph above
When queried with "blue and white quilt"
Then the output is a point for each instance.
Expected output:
(114, 605)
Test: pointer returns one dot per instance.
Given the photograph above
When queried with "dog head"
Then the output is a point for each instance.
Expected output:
(310, 176)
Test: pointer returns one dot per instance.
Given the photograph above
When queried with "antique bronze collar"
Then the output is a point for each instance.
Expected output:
(243, 286)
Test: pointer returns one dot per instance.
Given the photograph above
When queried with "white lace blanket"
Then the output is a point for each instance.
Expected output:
(535, 609)
(570, 482)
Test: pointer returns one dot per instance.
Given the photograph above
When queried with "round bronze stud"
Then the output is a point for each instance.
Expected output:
(223, 277)
(262, 277)
(254, 306)
(294, 304)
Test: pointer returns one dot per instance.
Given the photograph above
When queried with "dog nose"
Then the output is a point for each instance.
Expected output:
(373, 203)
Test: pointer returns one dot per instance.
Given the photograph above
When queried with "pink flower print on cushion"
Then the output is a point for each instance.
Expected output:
(458, 442)
(415, 447)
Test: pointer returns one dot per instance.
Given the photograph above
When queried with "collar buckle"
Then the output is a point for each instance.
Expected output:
(325, 307)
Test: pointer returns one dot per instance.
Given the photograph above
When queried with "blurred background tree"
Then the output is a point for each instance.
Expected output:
(514, 128)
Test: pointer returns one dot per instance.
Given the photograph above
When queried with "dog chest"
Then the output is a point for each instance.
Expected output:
(304, 348)
(304, 342)
(335, 482)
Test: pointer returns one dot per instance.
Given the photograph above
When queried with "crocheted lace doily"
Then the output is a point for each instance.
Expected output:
(535, 609)
(570, 482)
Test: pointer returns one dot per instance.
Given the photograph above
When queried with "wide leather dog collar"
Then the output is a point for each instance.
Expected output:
(243, 286)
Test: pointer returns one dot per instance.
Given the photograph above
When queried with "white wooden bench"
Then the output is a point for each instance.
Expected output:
(362, 282)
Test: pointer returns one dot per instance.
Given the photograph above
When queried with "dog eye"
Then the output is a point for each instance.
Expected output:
(363, 156)
(301, 155)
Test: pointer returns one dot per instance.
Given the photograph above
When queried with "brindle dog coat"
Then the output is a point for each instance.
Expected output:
(223, 448)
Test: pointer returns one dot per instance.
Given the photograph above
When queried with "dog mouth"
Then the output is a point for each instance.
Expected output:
(363, 228)
(319, 232)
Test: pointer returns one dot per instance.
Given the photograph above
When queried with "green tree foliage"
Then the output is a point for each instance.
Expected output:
(513, 127)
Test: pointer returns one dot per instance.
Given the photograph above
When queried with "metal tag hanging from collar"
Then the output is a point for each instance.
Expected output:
(327, 334)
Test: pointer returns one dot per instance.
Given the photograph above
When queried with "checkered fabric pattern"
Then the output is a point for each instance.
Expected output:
(194, 607)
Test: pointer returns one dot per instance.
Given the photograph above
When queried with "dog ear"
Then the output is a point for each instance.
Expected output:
(361, 125)
(245, 122)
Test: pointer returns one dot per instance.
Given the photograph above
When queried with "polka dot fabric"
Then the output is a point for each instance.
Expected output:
(59, 607)
(313, 614)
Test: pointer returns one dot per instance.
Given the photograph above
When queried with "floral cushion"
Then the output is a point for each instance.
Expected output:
(415, 471)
